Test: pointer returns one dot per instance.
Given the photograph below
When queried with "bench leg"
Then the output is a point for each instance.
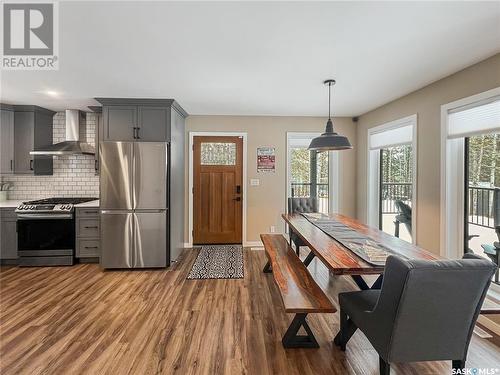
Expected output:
(309, 258)
(292, 340)
(267, 268)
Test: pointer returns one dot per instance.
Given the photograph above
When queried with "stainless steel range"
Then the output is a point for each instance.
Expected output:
(46, 231)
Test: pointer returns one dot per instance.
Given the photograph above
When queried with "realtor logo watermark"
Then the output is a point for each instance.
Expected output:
(30, 36)
(476, 371)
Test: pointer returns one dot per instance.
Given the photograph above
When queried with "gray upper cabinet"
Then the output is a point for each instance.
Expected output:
(6, 140)
(120, 123)
(32, 129)
(152, 124)
(137, 120)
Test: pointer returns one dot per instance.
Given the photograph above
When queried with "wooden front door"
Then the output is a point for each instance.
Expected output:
(218, 190)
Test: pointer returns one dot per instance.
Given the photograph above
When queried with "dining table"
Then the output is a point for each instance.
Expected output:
(342, 261)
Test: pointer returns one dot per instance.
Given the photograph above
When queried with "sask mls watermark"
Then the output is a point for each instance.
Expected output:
(30, 35)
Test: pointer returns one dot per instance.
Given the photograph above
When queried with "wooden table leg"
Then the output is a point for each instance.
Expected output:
(361, 283)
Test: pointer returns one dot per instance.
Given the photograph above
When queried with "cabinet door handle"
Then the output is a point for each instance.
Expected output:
(11, 164)
(91, 212)
(135, 132)
(93, 227)
(91, 247)
(31, 164)
(138, 136)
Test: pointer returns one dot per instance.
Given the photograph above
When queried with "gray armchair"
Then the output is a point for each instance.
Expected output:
(425, 310)
(300, 205)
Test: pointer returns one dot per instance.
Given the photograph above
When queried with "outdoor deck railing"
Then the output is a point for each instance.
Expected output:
(390, 192)
(303, 190)
(481, 206)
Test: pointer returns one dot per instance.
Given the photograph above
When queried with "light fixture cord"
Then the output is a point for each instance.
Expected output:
(329, 99)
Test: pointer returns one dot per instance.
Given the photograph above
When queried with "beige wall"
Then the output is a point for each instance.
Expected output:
(426, 103)
(267, 202)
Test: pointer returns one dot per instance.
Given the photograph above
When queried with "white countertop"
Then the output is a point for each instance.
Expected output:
(12, 203)
(88, 204)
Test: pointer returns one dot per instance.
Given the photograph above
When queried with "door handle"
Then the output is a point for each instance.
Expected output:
(31, 164)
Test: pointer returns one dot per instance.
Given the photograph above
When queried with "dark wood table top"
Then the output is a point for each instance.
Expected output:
(339, 259)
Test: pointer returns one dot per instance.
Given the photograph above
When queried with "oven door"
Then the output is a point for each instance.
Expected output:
(45, 234)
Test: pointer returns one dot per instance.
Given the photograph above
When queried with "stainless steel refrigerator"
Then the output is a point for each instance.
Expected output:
(134, 192)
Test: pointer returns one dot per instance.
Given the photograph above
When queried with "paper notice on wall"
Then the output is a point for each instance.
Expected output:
(266, 159)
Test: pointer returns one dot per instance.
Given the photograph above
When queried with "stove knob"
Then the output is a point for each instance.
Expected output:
(32, 207)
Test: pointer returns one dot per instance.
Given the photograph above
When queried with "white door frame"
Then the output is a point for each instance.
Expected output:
(333, 172)
(373, 165)
(244, 178)
(452, 179)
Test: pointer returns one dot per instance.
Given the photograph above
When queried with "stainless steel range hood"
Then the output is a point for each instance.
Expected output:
(72, 145)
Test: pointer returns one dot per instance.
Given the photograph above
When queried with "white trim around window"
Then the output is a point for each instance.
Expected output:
(452, 176)
(334, 171)
(373, 165)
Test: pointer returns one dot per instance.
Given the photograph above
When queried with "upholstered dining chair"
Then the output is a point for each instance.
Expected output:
(425, 310)
(300, 205)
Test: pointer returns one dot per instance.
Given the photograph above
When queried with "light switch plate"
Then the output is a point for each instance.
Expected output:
(254, 182)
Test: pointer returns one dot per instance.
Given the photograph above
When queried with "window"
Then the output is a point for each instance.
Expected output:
(396, 191)
(218, 153)
(482, 196)
(391, 176)
(311, 173)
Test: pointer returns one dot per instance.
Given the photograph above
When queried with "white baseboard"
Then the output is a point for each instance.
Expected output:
(253, 244)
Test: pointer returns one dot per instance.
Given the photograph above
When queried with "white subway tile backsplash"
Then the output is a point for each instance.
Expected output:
(73, 175)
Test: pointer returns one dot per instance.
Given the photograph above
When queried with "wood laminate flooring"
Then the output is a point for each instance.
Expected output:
(80, 320)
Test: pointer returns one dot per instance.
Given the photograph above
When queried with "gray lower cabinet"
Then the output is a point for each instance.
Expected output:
(8, 234)
(32, 129)
(7, 140)
(88, 244)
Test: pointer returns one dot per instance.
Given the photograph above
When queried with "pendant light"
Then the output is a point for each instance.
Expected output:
(329, 140)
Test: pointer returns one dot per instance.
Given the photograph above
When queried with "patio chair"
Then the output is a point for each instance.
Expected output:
(425, 311)
(301, 205)
(403, 216)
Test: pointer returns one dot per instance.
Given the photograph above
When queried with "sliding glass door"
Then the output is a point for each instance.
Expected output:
(396, 191)
(482, 196)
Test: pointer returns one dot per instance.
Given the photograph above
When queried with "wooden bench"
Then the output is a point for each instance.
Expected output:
(299, 292)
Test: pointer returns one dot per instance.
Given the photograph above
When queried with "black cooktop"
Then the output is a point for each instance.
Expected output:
(61, 201)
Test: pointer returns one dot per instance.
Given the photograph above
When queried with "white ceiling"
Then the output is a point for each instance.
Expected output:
(257, 58)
